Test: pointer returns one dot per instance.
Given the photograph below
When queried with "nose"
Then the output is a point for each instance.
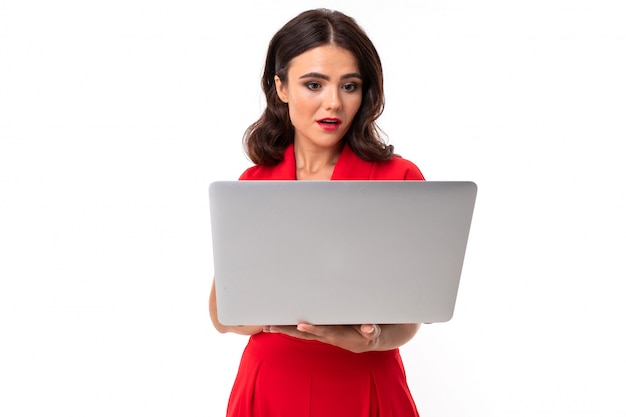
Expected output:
(332, 100)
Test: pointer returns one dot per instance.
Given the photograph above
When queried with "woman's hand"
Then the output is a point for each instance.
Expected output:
(355, 338)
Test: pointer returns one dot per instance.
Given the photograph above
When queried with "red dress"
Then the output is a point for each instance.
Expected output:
(282, 376)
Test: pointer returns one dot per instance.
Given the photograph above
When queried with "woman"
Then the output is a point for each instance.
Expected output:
(324, 90)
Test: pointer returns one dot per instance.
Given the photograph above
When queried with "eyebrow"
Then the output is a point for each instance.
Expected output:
(326, 77)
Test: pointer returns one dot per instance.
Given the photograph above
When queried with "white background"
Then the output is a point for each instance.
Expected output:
(116, 115)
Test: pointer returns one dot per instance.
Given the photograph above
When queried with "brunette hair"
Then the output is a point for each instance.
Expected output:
(266, 140)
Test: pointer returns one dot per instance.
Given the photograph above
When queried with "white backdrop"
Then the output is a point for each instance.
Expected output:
(115, 116)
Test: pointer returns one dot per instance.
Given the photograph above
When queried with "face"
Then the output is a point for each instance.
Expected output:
(323, 91)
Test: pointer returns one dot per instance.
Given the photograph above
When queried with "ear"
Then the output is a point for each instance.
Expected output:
(281, 89)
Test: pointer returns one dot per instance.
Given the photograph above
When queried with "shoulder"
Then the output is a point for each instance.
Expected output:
(284, 170)
(396, 168)
(257, 172)
(251, 173)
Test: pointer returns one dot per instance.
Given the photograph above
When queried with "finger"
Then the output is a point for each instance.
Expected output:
(317, 331)
(323, 333)
(290, 331)
(278, 329)
(369, 331)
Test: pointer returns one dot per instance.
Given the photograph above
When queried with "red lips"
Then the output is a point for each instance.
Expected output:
(329, 123)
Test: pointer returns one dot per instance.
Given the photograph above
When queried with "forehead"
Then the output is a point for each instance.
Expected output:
(326, 59)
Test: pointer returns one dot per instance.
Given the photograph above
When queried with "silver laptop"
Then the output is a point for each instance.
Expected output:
(338, 252)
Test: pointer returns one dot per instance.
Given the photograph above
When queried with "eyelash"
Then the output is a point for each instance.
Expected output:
(349, 87)
(313, 85)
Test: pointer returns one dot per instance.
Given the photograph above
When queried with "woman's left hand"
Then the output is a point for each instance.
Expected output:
(355, 338)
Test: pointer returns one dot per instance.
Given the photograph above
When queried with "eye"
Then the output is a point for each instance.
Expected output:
(313, 85)
(350, 87)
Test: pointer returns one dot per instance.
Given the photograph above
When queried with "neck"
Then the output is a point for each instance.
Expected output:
(315, 163)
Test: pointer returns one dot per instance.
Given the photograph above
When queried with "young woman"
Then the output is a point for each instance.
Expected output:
(324, 90)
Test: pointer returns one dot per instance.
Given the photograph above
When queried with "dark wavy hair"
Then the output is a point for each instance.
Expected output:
(266, 140)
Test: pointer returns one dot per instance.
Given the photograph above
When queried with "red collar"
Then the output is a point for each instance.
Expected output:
(348, 167)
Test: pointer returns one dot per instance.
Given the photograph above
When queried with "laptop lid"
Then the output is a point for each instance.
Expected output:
(338, 252)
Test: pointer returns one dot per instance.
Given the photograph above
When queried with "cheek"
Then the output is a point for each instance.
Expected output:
(296, 114)
(300, 106)
(355, 105)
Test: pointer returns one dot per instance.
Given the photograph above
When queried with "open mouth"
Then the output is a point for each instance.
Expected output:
(330, 122)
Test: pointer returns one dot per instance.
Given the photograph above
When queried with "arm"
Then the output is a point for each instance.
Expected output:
(244, 330)
(363, 338)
